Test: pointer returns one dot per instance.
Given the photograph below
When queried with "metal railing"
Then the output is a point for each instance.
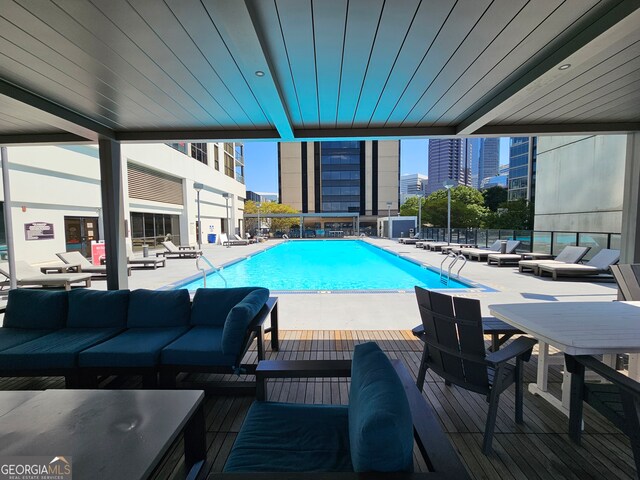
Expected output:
(551, 242)
(212, 268)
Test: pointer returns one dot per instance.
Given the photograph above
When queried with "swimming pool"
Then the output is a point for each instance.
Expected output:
(326, 265)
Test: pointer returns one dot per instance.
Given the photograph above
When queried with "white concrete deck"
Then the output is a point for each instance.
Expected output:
(384, 311)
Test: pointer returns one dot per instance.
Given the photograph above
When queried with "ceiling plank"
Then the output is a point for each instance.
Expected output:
(395, 24)
(329, 23)
(242, 34)
(619, 22)
(43, 138)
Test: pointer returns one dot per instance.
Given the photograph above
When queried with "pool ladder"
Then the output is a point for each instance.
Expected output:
(204, 272)
(444, 279)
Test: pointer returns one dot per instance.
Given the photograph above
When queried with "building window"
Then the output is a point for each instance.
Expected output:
(199, 152)
(340, 178)
(152, 228)
(228, 164)
(179, 146)
(216, 158)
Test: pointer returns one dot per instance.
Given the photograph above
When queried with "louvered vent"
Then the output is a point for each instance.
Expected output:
(147, 184)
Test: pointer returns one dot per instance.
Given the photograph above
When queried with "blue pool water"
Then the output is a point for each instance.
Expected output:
(326, 265)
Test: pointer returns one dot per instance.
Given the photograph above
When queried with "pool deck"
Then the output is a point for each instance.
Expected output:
(381, 311)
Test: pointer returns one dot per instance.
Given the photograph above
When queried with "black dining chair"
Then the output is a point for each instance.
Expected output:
(454, 349)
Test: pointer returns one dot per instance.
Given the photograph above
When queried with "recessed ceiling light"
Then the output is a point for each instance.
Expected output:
(259, 73)
(564, 67)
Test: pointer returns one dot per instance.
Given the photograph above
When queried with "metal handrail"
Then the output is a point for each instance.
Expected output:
(445, 281)
(204, 272)
(464, 262)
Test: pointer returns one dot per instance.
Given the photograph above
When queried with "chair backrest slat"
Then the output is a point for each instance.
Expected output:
(628, 279)
(454, 338)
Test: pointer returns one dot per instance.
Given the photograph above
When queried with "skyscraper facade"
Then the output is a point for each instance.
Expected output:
(447, 160)
(340, 177)
(489, 158)
(412, 185)
(522, 168)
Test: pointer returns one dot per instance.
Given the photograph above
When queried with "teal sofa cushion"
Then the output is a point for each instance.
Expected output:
(97, 308)
(212, 305)
(239, 319)
(152, 308)
(200, 346)
(135, 347)
(380, 423)
(281, 437)
(38, 309)
(10, 337)
(58, 350)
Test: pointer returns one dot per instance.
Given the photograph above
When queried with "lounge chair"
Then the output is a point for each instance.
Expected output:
(76, 258)
(26, 275)
(569, 254)
(240, 241)
(144, 262)
(627, 277)
(483, 253)
(500, 259)
(225, 240)
(171, 250)
(598, 265)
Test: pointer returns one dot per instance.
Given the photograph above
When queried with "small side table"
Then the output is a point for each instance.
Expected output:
(61, 268)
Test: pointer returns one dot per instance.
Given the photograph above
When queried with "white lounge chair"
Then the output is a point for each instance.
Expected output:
(26, 275)
(144, 262)
(570, 254)
(224, 240)
(171, 250)
(598, 265)
(483, 253)
(76, 258)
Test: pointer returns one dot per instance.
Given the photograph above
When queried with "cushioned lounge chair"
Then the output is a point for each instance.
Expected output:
(144, 262)
(483, 253)
(224, 240)
(240, 241)
(171, 250)
(76, 258)
(26, 275)
(598, 265)
(569, 254)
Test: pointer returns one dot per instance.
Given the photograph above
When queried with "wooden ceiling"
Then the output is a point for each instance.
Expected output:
(152, 70)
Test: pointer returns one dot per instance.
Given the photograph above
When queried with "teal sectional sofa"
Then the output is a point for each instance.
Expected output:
(86, 333)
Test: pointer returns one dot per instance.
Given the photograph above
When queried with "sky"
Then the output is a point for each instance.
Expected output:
(261, 162)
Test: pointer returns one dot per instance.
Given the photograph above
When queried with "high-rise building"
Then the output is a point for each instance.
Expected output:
(489, 158)
(522, 168)
(473, 160)
(447, 160)
(340, 177)
(412, 185)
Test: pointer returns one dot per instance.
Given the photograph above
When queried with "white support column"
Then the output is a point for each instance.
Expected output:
(113, 213)
(8, 218)
(630, 241)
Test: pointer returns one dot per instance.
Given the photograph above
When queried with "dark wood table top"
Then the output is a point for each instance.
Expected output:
(108, 434)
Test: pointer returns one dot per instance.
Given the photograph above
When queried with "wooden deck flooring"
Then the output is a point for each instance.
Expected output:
(539, 449)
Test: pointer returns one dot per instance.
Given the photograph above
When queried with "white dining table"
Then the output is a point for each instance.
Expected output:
(575, 328)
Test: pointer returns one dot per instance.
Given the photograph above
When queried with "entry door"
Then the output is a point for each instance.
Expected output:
(79, 232)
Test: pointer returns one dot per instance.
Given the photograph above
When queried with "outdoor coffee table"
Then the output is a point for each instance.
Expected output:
(576, 328)
(108, 434)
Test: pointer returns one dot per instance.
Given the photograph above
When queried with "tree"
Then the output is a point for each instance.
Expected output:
(274, 224)
(467, 208)
(410, 207)
(514, 215)
(494, 196)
